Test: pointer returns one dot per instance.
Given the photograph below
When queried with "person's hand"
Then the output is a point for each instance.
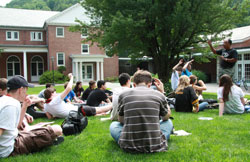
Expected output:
(29, 118)
(190, 61)
(27, 102)
(223, 58)
(209, 42)
(70, 75)
(200, 82)
(181, 61)
(159, 85)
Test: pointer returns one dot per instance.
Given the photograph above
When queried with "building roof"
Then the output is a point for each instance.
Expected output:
(10, 17)
(239, 35)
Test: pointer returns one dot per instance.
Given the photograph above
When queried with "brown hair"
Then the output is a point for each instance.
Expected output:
(142, 76)
(192, 78)
(3, 83)
(48, 92)
(179, 68)
(227, 83)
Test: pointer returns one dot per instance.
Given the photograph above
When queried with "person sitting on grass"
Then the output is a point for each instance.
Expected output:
(177, 69)
(56, 107)
(230, 96)
(78, 89)
(92, 86)
(48, 85)
(139, 129)
(186, 98)
(71, 96)
(98, 96)
(12, 141)
(3, 86)
(124, 80)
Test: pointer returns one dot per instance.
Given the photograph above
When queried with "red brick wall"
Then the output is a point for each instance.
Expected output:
(111, 67)
(24, 38)
(208, 68)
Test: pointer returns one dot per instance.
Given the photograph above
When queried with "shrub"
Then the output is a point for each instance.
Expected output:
(47, 77)
(61, 69)
(200, 75)
(167, 87)
(112, 79)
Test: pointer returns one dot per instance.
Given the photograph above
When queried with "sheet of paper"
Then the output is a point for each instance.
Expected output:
(205, 118)
(181, 133)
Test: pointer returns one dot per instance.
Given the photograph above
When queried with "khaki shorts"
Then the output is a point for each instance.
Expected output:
(34, 140)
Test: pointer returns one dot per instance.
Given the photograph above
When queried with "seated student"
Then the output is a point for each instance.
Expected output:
(92, 86)
(230, 96)
(71, 96)
(177, 69)
(198, 88)
(124, 80)
(97, 96)
(186, 70)
(13, 142)
(39, 103)
(56, 107)
(48, 85)
(140, 129)
(3, 86)
(186, 98)
(78, 89)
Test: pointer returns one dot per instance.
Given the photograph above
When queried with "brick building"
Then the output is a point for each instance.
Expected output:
(34, 40)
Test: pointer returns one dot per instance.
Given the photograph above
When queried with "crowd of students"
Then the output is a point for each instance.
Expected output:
(141, 114)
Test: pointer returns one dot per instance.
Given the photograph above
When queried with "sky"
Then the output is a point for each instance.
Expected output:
(4, 2)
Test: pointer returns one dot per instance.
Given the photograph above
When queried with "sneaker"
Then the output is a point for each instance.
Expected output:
(58, 140)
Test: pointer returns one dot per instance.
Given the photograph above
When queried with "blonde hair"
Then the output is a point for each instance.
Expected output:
(184, 82)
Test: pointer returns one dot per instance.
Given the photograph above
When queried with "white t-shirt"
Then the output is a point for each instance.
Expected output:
(58, 108)
(9, 118)
(116, 94)
(174, 80)
(233, 105)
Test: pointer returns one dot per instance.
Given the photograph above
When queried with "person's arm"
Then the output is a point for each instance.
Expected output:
(68, 88)
(179, 63)
(108, 101)
(186, 65)
(221, 107)
(159, 85)
(49, 116)
(26, 103)
(202, 86)
(167, 116)
(121, 119)
(242, 101)
(211, 46)
(1, 131)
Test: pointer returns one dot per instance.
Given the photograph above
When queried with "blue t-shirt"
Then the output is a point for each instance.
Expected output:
(186, 72)
(70, 96)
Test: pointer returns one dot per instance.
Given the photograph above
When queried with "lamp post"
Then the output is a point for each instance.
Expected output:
(52, 60)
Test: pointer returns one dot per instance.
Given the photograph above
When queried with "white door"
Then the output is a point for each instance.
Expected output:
(243, 67)
(37, 68)
(13, 66)
(87, 72)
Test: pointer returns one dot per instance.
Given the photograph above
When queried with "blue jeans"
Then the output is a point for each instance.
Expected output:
(203, 106)
(116, 129)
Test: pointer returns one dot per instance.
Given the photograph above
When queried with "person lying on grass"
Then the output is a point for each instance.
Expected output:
(55, 106)
(139, 129)
(186, 98)
(230, 96)
(12, 141)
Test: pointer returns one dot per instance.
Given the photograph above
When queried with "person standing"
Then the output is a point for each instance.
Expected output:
(228, 58)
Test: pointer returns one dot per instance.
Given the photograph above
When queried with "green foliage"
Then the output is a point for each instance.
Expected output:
(162, 29)
(155, 76)
(200, 75)
(112, 79)
(47, 77)
(167, 87)
(61, 69)
(53, 5)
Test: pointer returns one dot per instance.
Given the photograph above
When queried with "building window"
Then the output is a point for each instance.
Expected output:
(60, 59)
(12, 35)
(84, 33)
(36, 36)
(85, 49)
(13, 66)
(59, 31)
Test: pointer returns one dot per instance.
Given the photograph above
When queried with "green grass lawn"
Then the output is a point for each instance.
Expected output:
(224, 138)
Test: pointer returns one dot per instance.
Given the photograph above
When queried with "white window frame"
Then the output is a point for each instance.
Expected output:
(58, 60)
(82, 49)
(60, 36)
(13, 66)
(12, 36)
(92, 67)
(36, 36)
(83, 36)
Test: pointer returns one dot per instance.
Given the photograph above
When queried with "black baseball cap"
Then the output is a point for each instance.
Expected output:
(18, 81)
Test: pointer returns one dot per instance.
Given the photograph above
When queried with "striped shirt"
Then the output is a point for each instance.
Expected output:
(141, 108)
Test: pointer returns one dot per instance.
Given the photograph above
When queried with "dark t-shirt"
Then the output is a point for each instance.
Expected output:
(96, 97)
(184, 100)
(232, 53)
(78, 92)
(86, 93)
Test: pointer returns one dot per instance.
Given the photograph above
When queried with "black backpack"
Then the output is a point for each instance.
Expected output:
(74, 123)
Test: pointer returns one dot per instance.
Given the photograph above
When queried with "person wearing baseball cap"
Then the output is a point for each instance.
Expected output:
(12, 141)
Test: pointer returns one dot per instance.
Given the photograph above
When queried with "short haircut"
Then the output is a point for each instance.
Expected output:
(66, 84)
(48, 85)
(48, 92)
(124, 78)
(3, 83)
(100, 83)
(179, 68)
(91, 83)
(142, 76)
(230, 41)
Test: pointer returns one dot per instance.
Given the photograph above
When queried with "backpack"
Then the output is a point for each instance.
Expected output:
(74, 123)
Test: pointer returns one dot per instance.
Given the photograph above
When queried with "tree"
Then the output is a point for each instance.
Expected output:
(161, 29)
